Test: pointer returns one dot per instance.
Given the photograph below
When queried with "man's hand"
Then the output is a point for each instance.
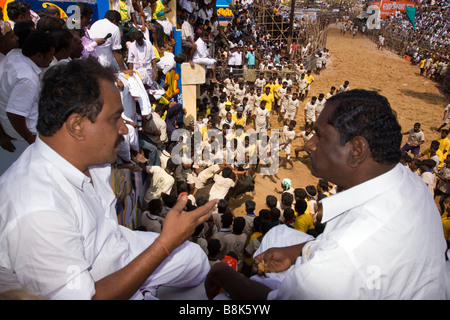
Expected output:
(6, 142)
(276, 259)
(179, 225)
(100, 41)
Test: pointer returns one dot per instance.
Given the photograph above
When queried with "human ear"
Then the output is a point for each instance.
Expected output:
(358, 151)
(75, 126)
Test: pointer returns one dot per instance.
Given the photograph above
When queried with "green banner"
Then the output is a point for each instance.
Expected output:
(411, 14)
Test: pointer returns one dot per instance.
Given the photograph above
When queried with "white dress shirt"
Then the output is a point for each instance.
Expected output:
(100, 29)
(19, 92)
(383, 240)
(59, 232)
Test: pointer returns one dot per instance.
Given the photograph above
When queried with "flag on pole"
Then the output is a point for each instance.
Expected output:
(411, 14)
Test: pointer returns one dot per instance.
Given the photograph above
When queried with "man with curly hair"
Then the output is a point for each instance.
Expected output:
(383, 237)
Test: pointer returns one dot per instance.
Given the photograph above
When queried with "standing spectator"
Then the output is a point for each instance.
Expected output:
(19, 94)
(110, 52)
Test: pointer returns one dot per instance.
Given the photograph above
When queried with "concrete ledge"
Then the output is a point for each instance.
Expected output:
(196, 75)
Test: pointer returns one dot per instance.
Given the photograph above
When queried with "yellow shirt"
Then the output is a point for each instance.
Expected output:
(310, 78)
(271, 86)
(440, 155)
(269, 98)
(304, 222)
(249, 261)
(446, 226)
(275, 87)
(123, 11)
(444, 145)
(238, 121)
(158, 7)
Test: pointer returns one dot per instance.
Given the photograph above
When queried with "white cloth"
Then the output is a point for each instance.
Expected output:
(310, 112)
(100, 29)
(187, 30)
(220, 187)
(60, 233)
(19, 92)
(141, 57)
(201, 55)
(166, 62)
(161, 182)
(138, 92)
(383, 240)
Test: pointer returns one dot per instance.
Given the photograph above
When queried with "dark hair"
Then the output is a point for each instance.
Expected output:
(168, 200)
(180, 58)
(22, 29)
(154, 206)
(271, 201)
(367, 114)
(435, 144)
(238, 225)
(112, 15)
(287, 198)
(300, 206)
(85, 10)
(16, 8)
(323, 184)
(275, 214)
(288, 214)
(265, 226)
(226, 172)
(63, 38)
(311, 190)
(71, 88)
(264, 214)
(300, 193)
(38, 42)
(222, 206)
(50, 23)
(213, 247)
(250, 206)
(226, 219)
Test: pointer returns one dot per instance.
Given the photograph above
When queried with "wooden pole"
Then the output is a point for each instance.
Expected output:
(291, 23)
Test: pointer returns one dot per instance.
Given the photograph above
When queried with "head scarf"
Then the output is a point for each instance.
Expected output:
(5, 27)
(286, 183)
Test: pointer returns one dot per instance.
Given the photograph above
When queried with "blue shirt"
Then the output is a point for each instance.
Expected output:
(250, 58)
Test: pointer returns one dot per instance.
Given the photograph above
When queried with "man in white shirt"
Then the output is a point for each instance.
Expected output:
(187, 38)
(320, 104)
(358, 255)
(19, 94)
(109, 53)
(343, 87)
(260, 82)
(310, 111)
(292, 105)
(261, 117)
(222, 184)
(201, 55)
(141, 57)
(70, 208)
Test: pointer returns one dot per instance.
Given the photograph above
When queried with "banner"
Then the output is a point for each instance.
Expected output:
(411, 14)
(389, 8)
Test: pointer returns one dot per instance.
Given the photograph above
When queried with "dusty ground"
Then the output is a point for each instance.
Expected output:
(413, 97)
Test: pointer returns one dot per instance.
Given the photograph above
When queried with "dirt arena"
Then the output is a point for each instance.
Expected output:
(413, 97)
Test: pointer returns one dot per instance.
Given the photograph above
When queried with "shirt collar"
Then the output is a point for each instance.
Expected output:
(33, 65)
(72, 174)
(343, 201)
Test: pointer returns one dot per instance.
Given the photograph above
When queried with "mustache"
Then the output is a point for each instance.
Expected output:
(119, 140)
